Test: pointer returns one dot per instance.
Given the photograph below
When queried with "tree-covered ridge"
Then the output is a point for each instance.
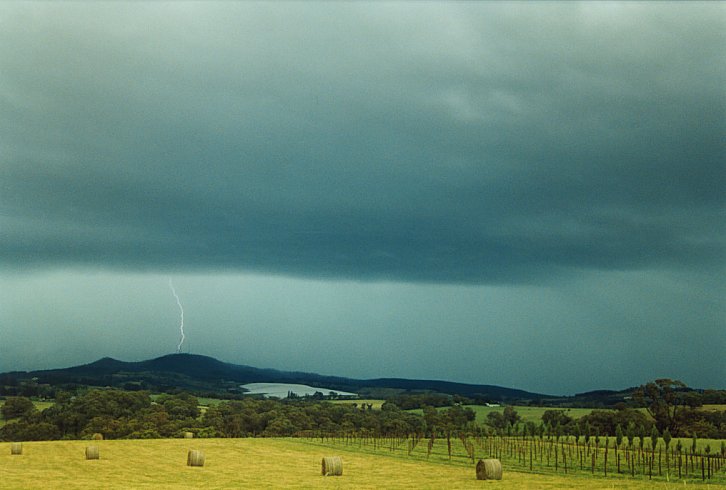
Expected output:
(206, 376)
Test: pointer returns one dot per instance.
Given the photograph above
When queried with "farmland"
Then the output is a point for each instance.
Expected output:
(259, 463)
(375, 404)
(388, 442)
(528, 414)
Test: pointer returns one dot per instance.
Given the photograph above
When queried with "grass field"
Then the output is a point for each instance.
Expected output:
(376, 403)
(39, 405)
(528, 414)
(255, 463)
(534, 414)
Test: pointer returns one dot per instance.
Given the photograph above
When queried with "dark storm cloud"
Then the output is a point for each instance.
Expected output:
(438, 142)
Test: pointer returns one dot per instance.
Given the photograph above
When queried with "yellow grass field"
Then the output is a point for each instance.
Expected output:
(252, 463)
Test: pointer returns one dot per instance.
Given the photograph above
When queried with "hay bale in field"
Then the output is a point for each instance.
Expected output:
(332, 466)
(97, 436)
(195, 458)
(489, 469)
(189, 435)
(92, 452)
(16, 448)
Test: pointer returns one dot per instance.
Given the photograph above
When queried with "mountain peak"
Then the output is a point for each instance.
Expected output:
(194, 365)
(105, 362)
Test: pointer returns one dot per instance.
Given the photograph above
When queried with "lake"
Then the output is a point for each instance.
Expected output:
(280, 390)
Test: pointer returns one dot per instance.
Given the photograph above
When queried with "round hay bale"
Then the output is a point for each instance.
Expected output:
(97, 436)
(332, 466)
(92, 452)
(189, 435)
(195, 458)
(16, 448)
(489, 469)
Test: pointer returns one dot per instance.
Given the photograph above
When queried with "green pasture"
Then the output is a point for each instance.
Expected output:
(528, 414)
(534, 414)
(376, 403)
(209, 402)
(202, 400)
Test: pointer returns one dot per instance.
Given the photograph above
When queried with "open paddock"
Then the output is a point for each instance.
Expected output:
(374, 403)
(254, 463)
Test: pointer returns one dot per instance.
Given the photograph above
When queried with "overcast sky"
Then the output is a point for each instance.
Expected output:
(525, 194)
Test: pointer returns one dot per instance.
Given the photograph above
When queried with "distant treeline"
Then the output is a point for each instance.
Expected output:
(670, 408)
(123, 414)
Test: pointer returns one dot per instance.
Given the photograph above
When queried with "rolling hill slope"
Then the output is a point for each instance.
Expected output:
(206, 374)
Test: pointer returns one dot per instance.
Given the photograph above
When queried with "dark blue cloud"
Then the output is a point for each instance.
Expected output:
(416, 147)
(569, 155)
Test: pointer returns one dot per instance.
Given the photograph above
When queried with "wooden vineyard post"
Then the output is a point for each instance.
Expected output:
(680, 462)
(556, 458)
(530, 457)
(549, 448)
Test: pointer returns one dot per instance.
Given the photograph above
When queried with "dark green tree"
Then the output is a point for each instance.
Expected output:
(432, 419)
(618, 435)
(17, 406)
(654, 435)
(630, 434)
(510, 415)
(496, 420)
(556, 417)
(667, 438)
(664, 399)
(24, 431)
(180, 406)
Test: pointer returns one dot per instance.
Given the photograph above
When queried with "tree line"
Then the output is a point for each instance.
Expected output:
(672, 411)
(120, 414)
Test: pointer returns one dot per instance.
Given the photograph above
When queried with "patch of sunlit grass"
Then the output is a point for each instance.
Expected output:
(251, 463)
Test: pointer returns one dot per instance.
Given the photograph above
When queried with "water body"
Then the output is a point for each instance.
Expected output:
(280, 390)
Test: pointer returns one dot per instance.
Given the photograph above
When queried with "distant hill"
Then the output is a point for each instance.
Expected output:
(206, 375)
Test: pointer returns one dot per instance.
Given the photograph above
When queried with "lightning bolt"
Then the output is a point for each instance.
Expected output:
(181, 311)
